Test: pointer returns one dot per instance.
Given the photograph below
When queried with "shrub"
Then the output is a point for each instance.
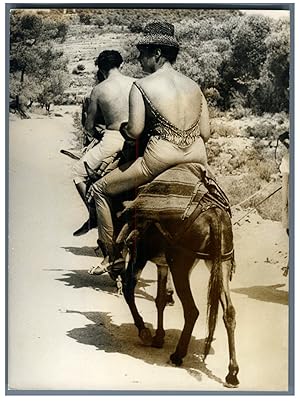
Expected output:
(223, 128)
(135, 27)
(80, 67)
(213, 151)
(240, 112)
(85, 18)
(78, 131)
(240, 188)
(212, 96)
(271, 208)
(262, 129)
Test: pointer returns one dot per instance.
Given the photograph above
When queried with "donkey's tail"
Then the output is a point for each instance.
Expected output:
(215, 281)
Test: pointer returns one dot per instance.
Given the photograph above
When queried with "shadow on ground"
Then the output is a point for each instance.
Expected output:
(81, 279)
(108, 337)
(81, 251)
(265, 293)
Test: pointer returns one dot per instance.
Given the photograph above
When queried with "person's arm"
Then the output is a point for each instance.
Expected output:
(136, 121)
(94, 113)
(204, 120)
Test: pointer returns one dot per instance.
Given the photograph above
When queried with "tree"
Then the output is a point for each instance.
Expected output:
(271, 90)
(33, 57)
(243, 63)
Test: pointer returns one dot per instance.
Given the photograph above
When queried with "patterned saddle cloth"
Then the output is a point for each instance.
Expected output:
(176, 193)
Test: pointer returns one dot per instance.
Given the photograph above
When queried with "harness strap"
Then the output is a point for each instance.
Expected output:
(196, 188)
(186, 224)
(224, 256)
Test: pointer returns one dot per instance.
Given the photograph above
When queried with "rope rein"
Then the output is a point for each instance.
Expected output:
(259, 203)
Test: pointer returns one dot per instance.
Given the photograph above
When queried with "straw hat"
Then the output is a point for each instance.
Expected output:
(158, 33)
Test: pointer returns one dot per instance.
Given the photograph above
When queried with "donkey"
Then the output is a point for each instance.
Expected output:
(176, 245)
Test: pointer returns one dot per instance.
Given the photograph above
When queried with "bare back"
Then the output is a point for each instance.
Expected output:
(113, 99)
(175, 96)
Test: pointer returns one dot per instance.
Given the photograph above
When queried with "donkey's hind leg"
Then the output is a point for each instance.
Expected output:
(230, 323)
(129, 283)
(180, 266)
(161, 301)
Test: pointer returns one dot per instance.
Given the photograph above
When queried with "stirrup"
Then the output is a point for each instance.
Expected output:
(115, 268)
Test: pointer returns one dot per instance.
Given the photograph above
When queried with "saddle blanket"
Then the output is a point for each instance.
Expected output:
(174, 193)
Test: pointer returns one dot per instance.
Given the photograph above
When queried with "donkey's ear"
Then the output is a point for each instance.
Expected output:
(92, 174)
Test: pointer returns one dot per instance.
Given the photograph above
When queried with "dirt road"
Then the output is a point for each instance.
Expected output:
(71, 331)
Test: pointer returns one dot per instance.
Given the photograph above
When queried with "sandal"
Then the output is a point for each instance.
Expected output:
(98, 270)
(113, 269)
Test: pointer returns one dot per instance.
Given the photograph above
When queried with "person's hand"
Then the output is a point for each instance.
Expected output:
(123, 131)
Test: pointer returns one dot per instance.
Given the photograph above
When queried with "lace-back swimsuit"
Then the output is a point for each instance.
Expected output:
(162, 128)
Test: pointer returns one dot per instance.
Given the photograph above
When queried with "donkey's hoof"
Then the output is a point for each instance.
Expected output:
(176, 360)
(145, 336)
(231, 381)
(157, 342)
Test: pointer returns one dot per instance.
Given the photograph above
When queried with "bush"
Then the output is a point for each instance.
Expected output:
(240, 188)
(212, 96)
(85, 18)
(240, 112)
(265, 128)
(213, 151)
(221, 127)
(135, 27)
(80, 67)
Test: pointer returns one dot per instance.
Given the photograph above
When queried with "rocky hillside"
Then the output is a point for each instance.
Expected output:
(82, 46)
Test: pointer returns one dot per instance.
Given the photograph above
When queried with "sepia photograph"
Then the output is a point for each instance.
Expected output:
(149, 214)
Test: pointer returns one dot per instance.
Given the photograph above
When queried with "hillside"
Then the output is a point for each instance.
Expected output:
(82, 46)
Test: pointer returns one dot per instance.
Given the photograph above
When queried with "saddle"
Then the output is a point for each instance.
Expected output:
(181, 194)
(176, 193)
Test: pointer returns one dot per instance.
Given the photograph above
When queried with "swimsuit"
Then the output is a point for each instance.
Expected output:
(162, 128)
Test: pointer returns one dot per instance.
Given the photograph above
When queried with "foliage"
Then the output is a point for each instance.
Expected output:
(243, 59)
(84, 18)
(222, 128)
(265, 128)
(33, 59)
(78, 131)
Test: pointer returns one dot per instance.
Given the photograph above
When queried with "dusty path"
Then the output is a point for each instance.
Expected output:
(69, 330)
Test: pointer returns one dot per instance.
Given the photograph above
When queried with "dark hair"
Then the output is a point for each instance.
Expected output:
(169, 52)
(99, 76)
(109, 59)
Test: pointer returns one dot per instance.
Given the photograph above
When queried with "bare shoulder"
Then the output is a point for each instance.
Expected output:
(187, 81)
(98, 90)
(130, 79)
(163, 81)
(149, 83)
